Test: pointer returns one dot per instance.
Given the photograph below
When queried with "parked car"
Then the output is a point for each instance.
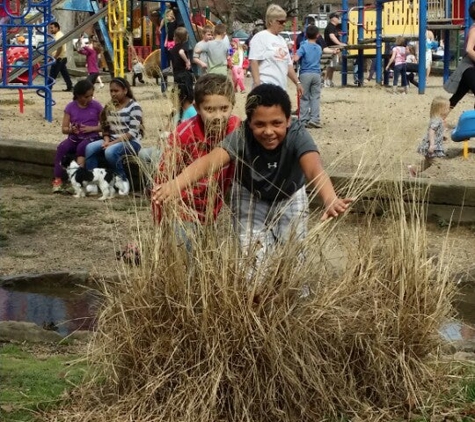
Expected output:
(321, 19)
(289, 37)
(241, 35)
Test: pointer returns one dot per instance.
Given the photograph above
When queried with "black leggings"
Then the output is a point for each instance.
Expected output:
(467, 83)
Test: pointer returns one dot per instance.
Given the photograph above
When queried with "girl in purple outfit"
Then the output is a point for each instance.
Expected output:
(91, 54)
(81, 124)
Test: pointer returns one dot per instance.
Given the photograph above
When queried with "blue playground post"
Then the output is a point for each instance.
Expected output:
(422, 45)
(185, 15)
(14, 57)
(379, 42)
(344, 54)
(360, 59)
(468, 20)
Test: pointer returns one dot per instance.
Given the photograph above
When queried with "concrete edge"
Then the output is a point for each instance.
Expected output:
(447, 199)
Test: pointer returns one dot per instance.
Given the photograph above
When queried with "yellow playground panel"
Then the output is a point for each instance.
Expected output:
(117, 24)
(399, 18)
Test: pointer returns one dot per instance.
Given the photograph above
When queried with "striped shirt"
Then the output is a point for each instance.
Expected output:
(126, 120)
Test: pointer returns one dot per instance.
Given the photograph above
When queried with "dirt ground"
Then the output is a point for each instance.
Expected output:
(365, 130)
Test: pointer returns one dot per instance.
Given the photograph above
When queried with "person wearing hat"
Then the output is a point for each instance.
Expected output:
(332, 39)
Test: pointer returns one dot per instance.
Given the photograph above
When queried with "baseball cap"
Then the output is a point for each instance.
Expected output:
(334, 15)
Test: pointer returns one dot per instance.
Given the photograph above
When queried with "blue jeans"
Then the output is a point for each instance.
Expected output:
(400, 69)
(113, 155)
(310, 100)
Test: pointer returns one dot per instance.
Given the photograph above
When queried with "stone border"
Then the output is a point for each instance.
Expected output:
(448, 201)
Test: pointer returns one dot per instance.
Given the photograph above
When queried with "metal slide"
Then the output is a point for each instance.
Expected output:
(37, 57)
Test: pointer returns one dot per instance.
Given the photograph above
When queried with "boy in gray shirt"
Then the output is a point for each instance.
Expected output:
(217, 51)
(202, 59)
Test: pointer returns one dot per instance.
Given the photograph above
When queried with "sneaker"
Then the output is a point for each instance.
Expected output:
(92, 190)
(313, 125)
(125, 188)
(57, 186)
(68, 90)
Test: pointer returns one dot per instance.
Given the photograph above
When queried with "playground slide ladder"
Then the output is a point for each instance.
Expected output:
(117, 22)
(37, 57)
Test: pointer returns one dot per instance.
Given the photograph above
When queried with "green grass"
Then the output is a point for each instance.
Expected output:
(32, 382)
(32, 219)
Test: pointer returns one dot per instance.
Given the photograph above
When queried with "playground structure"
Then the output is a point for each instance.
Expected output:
(27, 67)
(369, 30)
(16, 64)
(464, 130)
(148, 51)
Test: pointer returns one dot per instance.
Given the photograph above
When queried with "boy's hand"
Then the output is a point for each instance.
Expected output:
(337, 207)
(165, 191)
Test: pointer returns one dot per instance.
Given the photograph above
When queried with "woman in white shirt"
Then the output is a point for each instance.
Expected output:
(269, 56)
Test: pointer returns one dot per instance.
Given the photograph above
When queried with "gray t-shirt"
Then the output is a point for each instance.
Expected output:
(203, 56)
(272, 175)
(217, 51)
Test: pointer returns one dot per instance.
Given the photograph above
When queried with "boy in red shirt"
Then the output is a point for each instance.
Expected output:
(214, 101)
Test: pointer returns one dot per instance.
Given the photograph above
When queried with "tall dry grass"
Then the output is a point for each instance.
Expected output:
(193, 335)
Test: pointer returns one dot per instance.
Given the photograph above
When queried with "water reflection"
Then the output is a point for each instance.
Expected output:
(463, 328)
(72, 308)
(69, 308)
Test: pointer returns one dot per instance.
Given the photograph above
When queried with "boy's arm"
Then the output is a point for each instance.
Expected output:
(312, 167)
(294, 78)
(198, 50)
(196, 56)
(183, 55)
(200, 168)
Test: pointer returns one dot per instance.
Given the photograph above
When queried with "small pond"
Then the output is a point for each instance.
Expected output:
(74, 308)
(67, 308)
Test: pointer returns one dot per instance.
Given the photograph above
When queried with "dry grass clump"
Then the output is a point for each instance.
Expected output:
(198, 336)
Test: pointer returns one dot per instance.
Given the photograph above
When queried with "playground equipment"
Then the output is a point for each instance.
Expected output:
(30, 67)
(369, 29)
(16, 67)
(117, 23)
(464, 130)
(154, 57)
(17, 57)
